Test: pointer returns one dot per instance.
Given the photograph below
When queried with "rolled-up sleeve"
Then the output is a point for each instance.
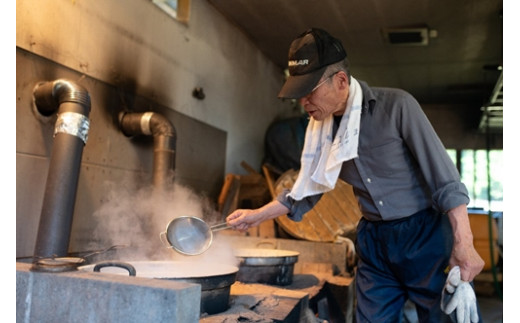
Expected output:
(297, 208)
(449, 196)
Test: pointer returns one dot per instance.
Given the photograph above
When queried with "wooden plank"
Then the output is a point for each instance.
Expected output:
(311, 226)
(267, 229)
(224, 191)
(231, 198)
(331, 214)
(252, 179)
(334, 215)
(269, 180)
(252, 232)
(306, 229)
(346, 199)
(273, 169)
(248, 167)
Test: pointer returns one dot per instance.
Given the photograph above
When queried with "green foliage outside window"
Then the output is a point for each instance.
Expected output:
(481, 172)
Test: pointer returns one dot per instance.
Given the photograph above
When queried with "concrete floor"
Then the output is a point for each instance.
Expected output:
(491, 304)
(491, 308)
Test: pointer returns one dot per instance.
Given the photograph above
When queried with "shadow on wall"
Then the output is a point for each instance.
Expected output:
(108, 156)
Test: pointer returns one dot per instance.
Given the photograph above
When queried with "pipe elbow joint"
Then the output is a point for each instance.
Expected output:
(73, 103)
(146, 123)
(165, 137)
(49, 96)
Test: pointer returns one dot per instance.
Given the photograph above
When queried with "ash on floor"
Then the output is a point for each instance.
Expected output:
(308, 299)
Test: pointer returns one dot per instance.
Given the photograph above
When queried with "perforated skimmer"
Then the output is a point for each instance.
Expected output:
(190, 235)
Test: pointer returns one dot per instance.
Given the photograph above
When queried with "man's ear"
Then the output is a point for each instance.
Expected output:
(342, 79)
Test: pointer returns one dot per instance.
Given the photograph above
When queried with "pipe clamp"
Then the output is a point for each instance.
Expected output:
(73, 123)
(145, 123)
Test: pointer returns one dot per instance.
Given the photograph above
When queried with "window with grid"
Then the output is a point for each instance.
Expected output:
(481, 172)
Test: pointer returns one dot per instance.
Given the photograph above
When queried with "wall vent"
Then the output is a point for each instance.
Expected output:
(406, 36)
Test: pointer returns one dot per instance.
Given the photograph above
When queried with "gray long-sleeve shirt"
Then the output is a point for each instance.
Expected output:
(402, 166)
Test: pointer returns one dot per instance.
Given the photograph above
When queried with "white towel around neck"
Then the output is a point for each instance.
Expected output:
(322, 158)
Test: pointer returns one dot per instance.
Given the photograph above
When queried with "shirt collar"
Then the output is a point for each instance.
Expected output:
(369, 99)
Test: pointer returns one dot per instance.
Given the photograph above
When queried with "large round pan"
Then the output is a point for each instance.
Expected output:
(215, 279)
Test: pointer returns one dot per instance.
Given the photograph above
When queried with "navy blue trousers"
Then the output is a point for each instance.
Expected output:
(399, 260)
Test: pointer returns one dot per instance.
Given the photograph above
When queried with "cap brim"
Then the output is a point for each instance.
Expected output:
(298, 86)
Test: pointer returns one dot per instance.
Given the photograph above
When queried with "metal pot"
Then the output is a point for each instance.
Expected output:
(266, 266)
(215, 279)
(57, 265)
(63, 264)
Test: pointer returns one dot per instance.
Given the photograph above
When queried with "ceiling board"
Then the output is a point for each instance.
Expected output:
(449, 70)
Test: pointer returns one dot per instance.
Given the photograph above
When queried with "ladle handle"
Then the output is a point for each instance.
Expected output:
(104, 250)
(166, 244)
(220, 226)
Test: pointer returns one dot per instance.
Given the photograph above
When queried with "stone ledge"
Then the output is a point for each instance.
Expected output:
(90, 297)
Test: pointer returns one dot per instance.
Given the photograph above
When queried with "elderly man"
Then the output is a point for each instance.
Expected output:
(415, 223)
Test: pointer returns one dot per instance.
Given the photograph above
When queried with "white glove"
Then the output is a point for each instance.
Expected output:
(458, 296)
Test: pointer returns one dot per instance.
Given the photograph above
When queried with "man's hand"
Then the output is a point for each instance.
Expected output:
(464, 254)
(458, 296)
(243, 219)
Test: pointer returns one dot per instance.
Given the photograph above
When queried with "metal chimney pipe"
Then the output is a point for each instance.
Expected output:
(165, 140)
(70, 136)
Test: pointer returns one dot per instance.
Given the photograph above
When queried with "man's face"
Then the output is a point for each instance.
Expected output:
(327, 97)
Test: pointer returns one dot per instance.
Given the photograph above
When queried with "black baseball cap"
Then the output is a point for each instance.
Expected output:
(309, 55)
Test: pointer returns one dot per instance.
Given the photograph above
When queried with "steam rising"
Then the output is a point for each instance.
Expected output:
(135, 219)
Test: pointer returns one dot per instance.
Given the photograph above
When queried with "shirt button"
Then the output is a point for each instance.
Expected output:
(369, 180)
(381, 203)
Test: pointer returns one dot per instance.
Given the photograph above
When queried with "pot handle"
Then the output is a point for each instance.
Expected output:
(266, 242)
(124, 265)
(167, 244)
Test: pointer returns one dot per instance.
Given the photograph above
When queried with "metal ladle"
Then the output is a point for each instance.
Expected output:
(190, 235)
